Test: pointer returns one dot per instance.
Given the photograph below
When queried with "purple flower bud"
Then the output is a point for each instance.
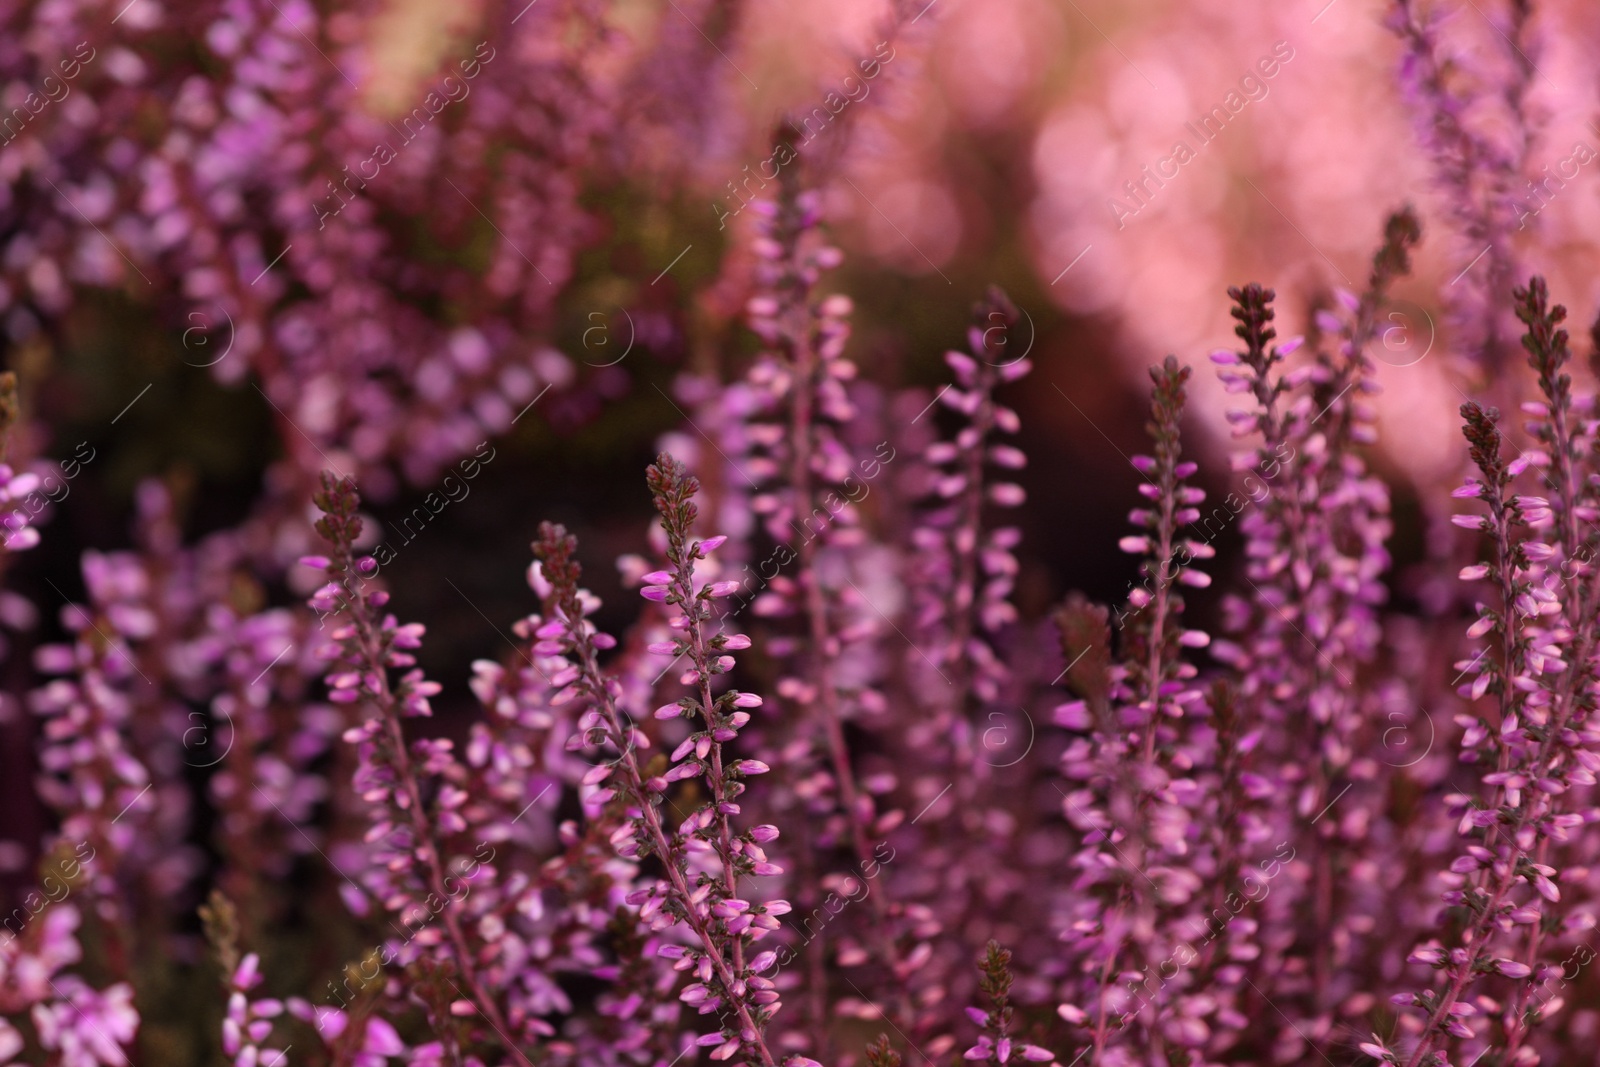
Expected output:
(1073, 715)
(1007, 494)
(248, 972)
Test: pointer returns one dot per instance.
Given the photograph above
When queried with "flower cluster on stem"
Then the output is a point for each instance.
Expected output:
(1134, 808)
(705, 858)
(1540, 670)
(411, 860)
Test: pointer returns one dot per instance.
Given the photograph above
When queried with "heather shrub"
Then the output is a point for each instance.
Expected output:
(794, 753)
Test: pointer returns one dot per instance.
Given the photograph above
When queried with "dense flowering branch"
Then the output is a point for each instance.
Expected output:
(1139, 825)
(408, 831)
(1316, 529)
(708, 902)
(961, 635)
(809, 489)
(1469, 113)
(964, 569)
(806, 370)
(996, 1043)
(1544, 680)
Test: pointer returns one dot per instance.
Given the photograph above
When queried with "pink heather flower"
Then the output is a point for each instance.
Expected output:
(16, 488)
(86, 1028)
(1377, 1050)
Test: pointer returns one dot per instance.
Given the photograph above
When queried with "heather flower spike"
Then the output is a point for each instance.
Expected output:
(1540, 667)
(410, 861)
(1153, 616)
(1470, 110)
(1316, 526)
(810, 480)
(1135, 817)
(966, 566)
(995, 1042)
(250, 1018)
(963, 630)
(712, 903)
